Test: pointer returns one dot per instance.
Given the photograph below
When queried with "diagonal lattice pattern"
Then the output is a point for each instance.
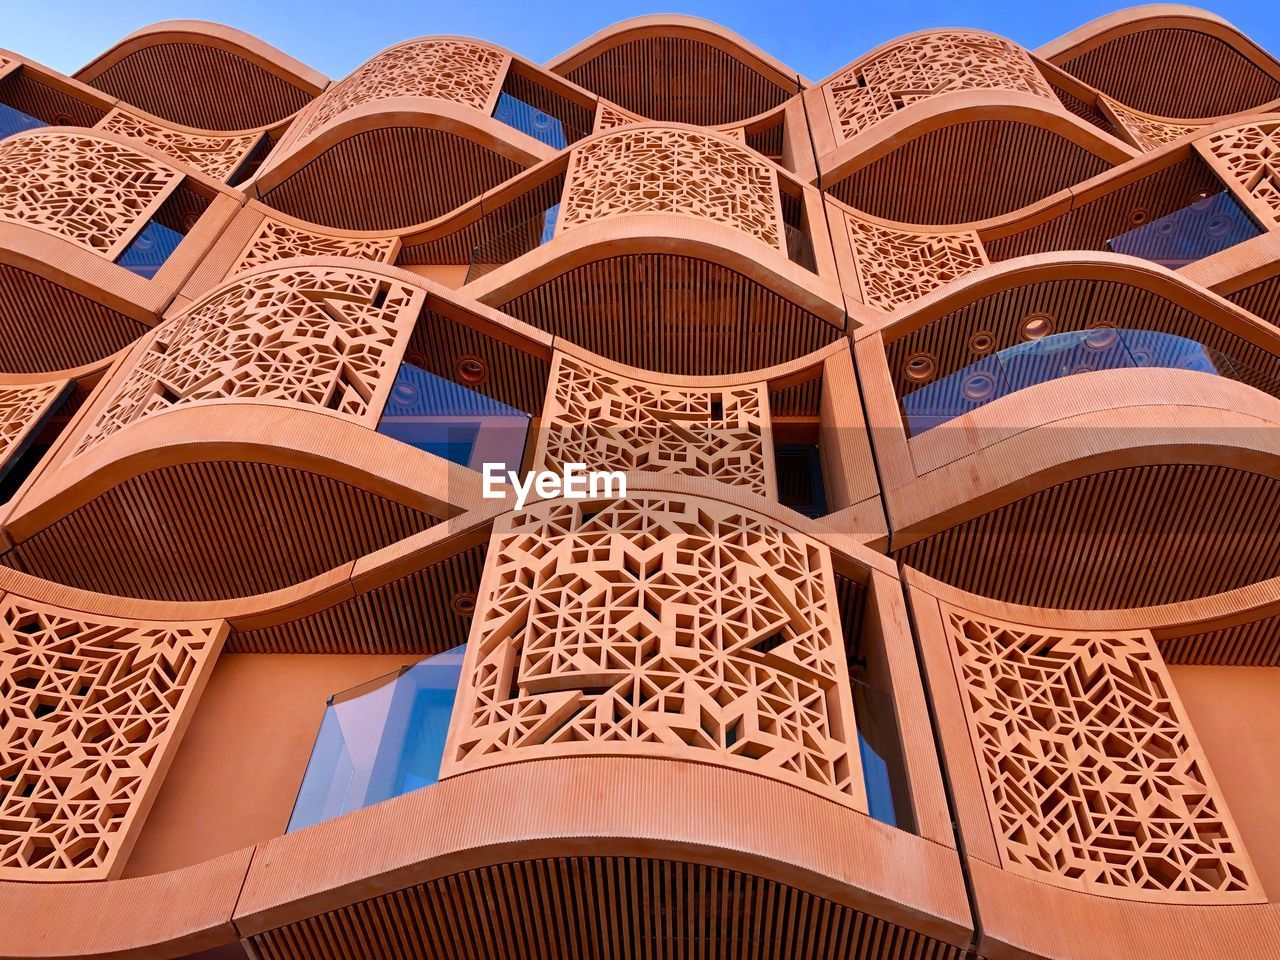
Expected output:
(896, 267)
(321, 337)
(20, 407)
(672, 171)
(274, 240)
(457, 70)
(1250, 155)
(216, 156)
(1148, 133)
(917, 68)
(93, 192)
(675, 627)
(91, 710)
(609, 422)
(1094, 776)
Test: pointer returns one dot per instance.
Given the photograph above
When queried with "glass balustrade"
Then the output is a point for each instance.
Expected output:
(1062, 355)
(539, 124)
(529, 234)
(1205, 227)
(13, 120)
(379, 740)
(149, 250)
(453, 421)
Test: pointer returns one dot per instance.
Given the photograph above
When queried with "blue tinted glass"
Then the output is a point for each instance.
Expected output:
(1063, 355)
(380, 740)
(1190, 234)
(528, 119)
(452, 421)
(13, 121)
(880, 751)
(150, 249)
(955, 394)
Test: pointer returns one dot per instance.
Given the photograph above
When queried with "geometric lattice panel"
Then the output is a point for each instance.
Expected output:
(1148, 133)
(1250, 155)
(610, 116)
(91, 711)
(456, 70)
(924, 66)
(217, 157)
(662, 626)
(93, 192)
(21, 406)
(1095, 779)
(672, 171)
(274, 240)
(318, 337)
(610, 422)
(896, 267)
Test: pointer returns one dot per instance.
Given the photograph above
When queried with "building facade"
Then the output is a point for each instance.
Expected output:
(928, 605)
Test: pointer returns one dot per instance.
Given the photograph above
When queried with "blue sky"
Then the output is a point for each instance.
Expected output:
(334, 36)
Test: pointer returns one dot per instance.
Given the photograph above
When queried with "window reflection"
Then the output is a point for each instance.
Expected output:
(1205, 227)
(1062, 355)
(453, 421)
(380, 740)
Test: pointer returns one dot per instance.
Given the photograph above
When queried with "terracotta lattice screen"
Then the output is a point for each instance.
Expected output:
(91, 709)
(924, 66)
(454, 70)
(672, 171)
(610, 422)
(1251, 156)
(90, 191)
(672, 627)
(319, 337)
(1094, 776)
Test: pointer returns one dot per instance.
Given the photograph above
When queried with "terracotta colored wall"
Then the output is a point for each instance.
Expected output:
(1236, 714)
(237, 772)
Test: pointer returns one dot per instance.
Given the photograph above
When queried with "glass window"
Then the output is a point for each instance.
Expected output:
(13, 120)
(380, 740)
(1205, 227)
(528, 119)
(453, 421)
(149, 250)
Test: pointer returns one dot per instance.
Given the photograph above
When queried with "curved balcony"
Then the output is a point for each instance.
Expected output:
(97, 233)
(680, 70)
(204, 75)
(224, 434)
(968, 138)
(1126, 56)
(1011, 693)
(479, 114)
(866, 760)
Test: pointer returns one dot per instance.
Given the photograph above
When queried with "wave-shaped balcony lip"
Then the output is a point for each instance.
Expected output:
(838, 161)
(687, 812)
(1154, 16)
(1069, 265)
(677, 25)
(671, 234)
(427, 113)
(1238, 426)
(210, 34)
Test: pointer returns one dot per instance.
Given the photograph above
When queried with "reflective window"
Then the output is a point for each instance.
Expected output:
(880, 751)
(516, 241)
(379, 740)
(1062, 355)
(13, 120)
(1190, 234)
(149, 250)
(528, 119)
(453, 421)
